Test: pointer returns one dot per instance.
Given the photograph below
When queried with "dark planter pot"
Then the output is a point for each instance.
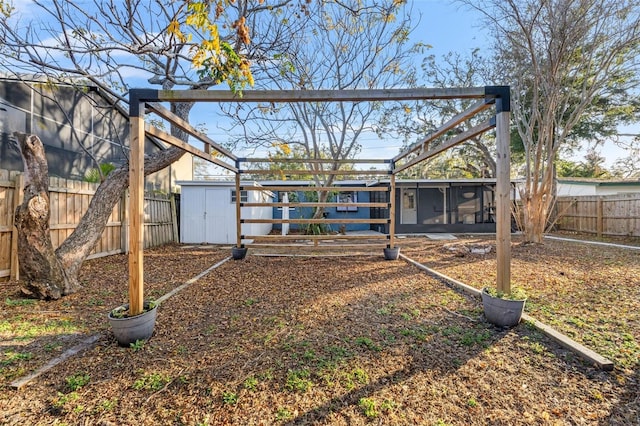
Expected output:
(130, 329)
(238, 252)
(391, 253)
(502, 312)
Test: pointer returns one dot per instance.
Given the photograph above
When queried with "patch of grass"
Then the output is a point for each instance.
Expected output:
(369, 407)
(475, 337)
(108, 404)
(537, 347)
(368, 343)
(387, 405)
(283, 414)
(355, 377)
(472, 403)
(251, 383)
(62, 399)
(23, 329)
(11, 356)
(250, 301)
(76, 381)
(383, 311)
(153, 381)
(229, 397)
(95, 302)
(298, 381)
(19, 302)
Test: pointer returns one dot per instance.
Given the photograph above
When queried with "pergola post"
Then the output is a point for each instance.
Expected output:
(503, 190)
(392, 212)
(238, 221)
(136, 209)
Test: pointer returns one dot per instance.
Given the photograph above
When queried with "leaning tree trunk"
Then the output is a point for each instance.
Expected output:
(40, 268)
(50, 274)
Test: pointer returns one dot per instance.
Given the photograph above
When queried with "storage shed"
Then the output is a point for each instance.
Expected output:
(208, 215)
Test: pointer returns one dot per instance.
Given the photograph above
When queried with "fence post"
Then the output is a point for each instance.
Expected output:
(18, 196)
(174, 218)
(599, 219)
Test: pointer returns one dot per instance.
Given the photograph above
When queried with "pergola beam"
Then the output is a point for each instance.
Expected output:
(316, 160)
(315, 172)
(172, 140)
(357, 95)
(182, 124)
(457, 139)
(450, 124)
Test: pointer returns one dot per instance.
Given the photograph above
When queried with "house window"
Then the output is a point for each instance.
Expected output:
(243, 196)
(347, 197)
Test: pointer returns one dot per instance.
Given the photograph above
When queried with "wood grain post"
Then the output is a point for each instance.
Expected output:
(503, 202)
(392, 211)
(238, 221)
(18, 196)
(136, 215)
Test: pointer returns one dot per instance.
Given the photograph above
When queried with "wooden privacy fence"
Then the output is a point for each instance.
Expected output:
(69, 201)
(617, 214)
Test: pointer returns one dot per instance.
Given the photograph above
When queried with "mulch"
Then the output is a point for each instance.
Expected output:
(333, 340)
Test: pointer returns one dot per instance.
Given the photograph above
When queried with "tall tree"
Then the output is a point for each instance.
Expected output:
(104, 43)
(562, 57)
(344, 45)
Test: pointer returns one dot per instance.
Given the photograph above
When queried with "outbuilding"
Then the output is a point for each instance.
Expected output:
(208, 215)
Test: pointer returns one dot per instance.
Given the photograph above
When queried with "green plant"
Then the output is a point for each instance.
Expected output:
(11, 357)
(19, 302)
(229, 397)
(62, 399)
(387, 405)
(251, 383)
(122, 311)
(76, 381)
(93, 174)
(517, 293)
(298, 380)
(283, 414)
(137, 345)
(108, 404)
(369, 407)
(250, 301)
(153, 381)
(368, 343)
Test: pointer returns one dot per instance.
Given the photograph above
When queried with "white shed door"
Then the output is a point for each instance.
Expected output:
(220, 219)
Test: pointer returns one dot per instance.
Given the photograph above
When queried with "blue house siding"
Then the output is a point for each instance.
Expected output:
(330, 212)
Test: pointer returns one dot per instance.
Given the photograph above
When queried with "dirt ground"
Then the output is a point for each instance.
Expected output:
(333, 340)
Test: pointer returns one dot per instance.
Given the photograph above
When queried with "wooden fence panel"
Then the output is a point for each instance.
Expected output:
(7, 201)
(69, 200)
(616, 215)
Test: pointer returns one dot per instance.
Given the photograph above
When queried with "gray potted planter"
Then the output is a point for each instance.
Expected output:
(238, 253)
(129, 329)
(503, 311)
(391, 253)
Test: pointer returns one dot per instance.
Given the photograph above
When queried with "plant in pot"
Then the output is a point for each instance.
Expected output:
(128, 327)
(503, 308)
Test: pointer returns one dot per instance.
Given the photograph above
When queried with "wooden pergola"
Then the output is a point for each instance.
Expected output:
(144, 101)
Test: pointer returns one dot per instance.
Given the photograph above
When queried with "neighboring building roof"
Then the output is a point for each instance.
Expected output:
(598, 182)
